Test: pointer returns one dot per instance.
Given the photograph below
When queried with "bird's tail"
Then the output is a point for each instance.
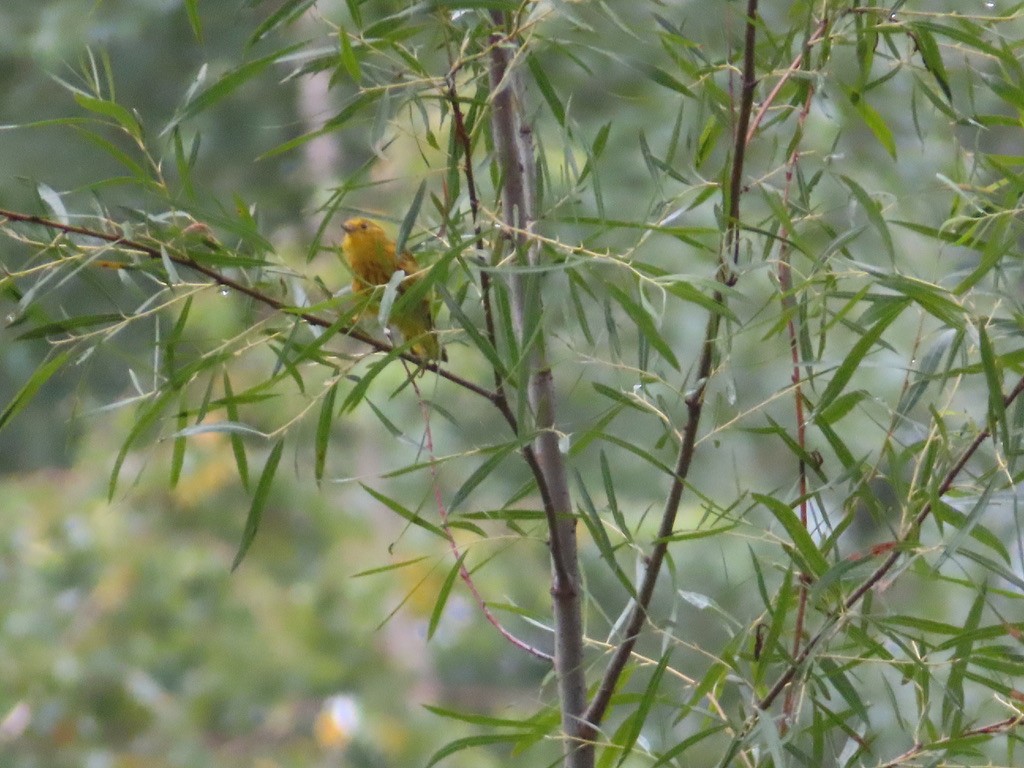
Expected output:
(419, 329)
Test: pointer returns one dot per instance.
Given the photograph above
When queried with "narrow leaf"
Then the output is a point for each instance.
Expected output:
(323, 432)
(410, 217)
(813, 560)
(41, 375)
(645, 325)
(401, 511)
(259, 501)
(857, 354)
(442, 597)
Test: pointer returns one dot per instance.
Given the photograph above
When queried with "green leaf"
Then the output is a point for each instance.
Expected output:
(596, 527)
(410, 217)
(931, 57)
(237, 444)
(356, 105)
(609, 492)
(53, 201)
(858, 352)
(481, 342)
(401, 511)
(358, 392)
(813, 562)
(323, 432)
(287, 12)
(841, 406)
(663, 78)
(70, 324)
(120, 115)
(874, 121)
(783, 601)
(469, 742)
(228, 83)
(645, 325)
(178, 453)
(547, 90)
(994, 379)
(484, 471)
(192, 9)
(147, 416)
(541, 721)
(874, 213)
(39, 377)
(259, 502)
(969, 524)
(627, 734)
(838, 678)
(442, 597)
(456, 5)
(348, 56)
(671, 755)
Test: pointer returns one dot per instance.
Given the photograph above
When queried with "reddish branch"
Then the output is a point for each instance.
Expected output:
(790, 308)
(891, 559)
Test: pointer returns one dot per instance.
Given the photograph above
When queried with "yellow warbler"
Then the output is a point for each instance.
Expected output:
(372, 257)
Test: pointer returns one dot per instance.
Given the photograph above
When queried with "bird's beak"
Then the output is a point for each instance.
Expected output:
(347, 228)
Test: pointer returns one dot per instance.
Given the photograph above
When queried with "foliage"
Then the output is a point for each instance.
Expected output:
(737, 316)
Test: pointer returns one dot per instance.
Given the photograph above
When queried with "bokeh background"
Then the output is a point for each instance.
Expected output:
(125, 638)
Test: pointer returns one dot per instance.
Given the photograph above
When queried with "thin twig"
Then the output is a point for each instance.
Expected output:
(269, 301)
(1001, 726)
(732, 233)
(501, 397)
(694, 403)
(464, 574)
(891, 559)
(793, 68)
(789, 307)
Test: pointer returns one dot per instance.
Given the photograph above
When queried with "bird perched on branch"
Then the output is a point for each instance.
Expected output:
(373, 259)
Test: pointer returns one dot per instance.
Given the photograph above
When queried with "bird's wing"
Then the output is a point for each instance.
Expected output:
(408, 264)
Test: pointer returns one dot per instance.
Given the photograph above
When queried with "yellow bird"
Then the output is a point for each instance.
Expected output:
(372, 258)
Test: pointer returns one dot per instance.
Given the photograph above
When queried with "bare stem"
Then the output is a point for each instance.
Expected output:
(694, 402)
(514, 150)
(789, 307)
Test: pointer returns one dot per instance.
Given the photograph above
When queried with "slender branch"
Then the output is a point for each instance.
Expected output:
(891, 559)
(694, 403)
(514, 153)
(462, 136)
(497, 398)
(1002, 726)
(789, 307)
(792, 69)
(259, 296)
(500, 395)
(732, 239)
(464, 574)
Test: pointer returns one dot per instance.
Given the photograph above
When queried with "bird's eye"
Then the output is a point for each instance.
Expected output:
(363, 225)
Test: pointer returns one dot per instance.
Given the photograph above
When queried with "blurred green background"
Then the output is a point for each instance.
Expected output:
(125, 640)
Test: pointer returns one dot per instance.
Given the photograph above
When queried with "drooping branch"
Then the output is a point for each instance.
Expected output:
(184, 260)
(894, 553)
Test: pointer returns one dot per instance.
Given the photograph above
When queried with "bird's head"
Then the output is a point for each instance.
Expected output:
(363, 234)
